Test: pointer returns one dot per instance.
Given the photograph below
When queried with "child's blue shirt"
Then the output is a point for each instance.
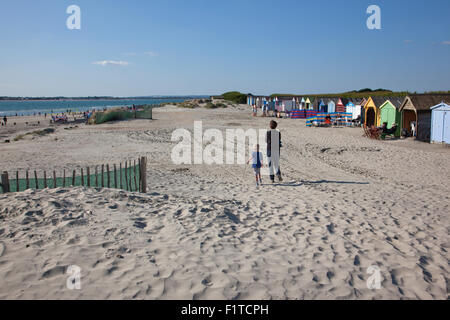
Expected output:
(257, 159)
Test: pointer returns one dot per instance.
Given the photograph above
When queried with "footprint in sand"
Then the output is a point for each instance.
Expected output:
(59, 270)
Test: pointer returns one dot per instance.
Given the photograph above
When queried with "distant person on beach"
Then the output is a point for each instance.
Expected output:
(273, 139)
(256, 160)
(5, 121)
(255, 111)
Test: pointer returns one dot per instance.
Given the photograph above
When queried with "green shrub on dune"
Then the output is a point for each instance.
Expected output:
(188, 105)
(235, 97)
(210, 105)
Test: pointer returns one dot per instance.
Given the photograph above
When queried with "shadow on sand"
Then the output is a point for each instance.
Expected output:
(299, 184)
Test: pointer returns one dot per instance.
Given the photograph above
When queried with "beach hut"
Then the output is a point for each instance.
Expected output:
(331, 106)
(372, 111)
(416, 113)
(323, 106)
(288, 102)
(316, 104)
(308, 104)
(361, 105)
(390, 113)
(302, 104)
(440, 123)
(341, 105)
(353, 109)
(250, 100)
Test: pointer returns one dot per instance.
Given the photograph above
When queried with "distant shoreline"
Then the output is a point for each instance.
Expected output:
(98, 98)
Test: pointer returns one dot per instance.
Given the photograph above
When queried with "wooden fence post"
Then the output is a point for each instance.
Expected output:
(143, 173)
(109, 176)
(36, 180)
(88, 172)
(5, 182)
(54, 179)
(27, 180)
(64, 178)
(120, 172)
(131, 180)
(103, 175)
(115, 176)
(96, 177)
(45, 179)
(82, 177)
(17, 181)
(73, 178)
(135, 179)
(139, 176)
(126, 175)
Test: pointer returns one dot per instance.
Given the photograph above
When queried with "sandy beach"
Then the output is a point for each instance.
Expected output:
(206, 232)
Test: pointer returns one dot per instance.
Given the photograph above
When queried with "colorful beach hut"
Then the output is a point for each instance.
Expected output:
(390, 113)
(341, 105)
(308, 104)
(323, 106)
(288, 102)
(317, 104)
(372, 111)
(302, 104)
(250, 100)
(353, 109)
(440, 123)
(416, 113)
(331, 106)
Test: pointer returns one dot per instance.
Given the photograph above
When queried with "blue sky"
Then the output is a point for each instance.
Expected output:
(184, 47)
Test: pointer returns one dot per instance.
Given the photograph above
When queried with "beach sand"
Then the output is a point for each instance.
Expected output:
(206, 232)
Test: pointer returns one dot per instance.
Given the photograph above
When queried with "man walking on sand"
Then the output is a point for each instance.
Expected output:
(273, 140)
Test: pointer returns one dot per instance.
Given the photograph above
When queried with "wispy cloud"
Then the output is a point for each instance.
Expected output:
(105, 63)
(151, 53)
(447, 43)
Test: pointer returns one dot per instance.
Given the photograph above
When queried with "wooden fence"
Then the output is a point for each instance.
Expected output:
(130, 176)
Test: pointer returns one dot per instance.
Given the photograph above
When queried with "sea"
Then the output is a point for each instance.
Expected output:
(32, 107)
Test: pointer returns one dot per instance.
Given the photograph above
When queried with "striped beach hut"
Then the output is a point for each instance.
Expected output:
(250, 100)
(341, 105)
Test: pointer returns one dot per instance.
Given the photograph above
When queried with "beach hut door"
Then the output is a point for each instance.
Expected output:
(446, 131)
(438, 126)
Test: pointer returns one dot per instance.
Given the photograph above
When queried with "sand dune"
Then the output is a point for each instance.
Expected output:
(206, 232)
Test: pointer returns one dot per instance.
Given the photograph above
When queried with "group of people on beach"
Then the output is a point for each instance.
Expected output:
(383, 129)
(273, 140)
(264, 108)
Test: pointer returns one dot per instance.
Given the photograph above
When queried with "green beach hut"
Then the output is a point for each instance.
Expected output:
(389, 113)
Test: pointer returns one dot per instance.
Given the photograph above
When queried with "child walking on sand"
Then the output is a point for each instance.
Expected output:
(256, 160)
